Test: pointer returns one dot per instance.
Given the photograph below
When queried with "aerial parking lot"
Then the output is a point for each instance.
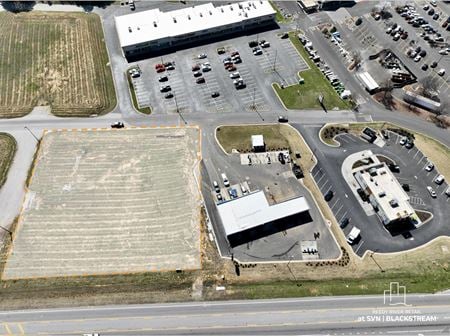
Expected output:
(107, 201)
(204, 84)
(411, 173)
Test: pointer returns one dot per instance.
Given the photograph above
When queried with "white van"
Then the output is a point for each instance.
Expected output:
(353, 235)
(244, 189)
(226, 183)
(216, 187)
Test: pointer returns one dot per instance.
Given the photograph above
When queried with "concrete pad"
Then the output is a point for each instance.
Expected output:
(112, 201)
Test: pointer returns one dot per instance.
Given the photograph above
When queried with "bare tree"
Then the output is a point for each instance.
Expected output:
(357, 58)
(18, 6)
(429, 86)
(386, 87)
(441, 114)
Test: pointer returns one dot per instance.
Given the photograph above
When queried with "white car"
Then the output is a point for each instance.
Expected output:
(417, 58)
(439, 179)
(202, 56)
(403, 141)
(235, 75)
(443, 52)
(238, 81)
(431, 191)
(441, 72)
(429, 167)
(447, 192)
(257, 52)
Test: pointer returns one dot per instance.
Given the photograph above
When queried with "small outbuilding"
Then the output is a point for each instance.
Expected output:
(258, 144)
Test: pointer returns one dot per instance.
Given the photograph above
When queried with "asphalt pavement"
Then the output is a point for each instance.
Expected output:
(410, 315)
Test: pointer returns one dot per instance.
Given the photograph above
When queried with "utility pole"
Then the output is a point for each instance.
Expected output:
(275, 59)
(34, 136)
(178, 109)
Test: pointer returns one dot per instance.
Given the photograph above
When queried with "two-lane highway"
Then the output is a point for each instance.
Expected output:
(422, 314)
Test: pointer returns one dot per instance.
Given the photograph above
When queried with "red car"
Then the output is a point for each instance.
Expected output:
(160, 69)
(196, 67)
(231, 68)
(157, 66)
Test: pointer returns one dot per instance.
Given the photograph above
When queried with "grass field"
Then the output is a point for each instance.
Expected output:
(239, 137)
(305, 96)
(7, 151)
(56, 59)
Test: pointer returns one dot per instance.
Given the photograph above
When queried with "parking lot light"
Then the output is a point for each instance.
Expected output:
(10, 233)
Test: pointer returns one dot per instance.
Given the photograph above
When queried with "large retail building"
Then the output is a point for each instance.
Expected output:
(152, 30)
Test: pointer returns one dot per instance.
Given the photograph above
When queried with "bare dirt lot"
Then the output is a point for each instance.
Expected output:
(56, 59)
(7, 151)
(111, 201)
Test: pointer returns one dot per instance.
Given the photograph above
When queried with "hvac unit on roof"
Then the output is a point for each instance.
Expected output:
(245, 14)
(189, 17)
(201, 15)
(129, 29)
(221, 10)
(210, 13)
(154, 24)
(174, 20)
(231, 7)
(240, 6)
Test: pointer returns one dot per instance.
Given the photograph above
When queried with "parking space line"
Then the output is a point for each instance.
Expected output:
(331, 186)
(360, 244)
(334, 204)
(323, 185)
(336, 213)
(343, 216)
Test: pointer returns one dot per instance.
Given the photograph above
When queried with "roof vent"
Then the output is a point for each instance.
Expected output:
(154, 24)
(201, 15)
(129, 29)
(189, 17)
(231, 7)
(245, 14)
(210, 13)
(138, 28)
(221, 9)
(174, 20)
(240, 6)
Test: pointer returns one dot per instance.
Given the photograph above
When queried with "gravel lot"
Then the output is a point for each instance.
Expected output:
(108, 202)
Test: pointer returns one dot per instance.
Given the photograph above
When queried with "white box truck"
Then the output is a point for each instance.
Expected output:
(353, 235)
(226, 183)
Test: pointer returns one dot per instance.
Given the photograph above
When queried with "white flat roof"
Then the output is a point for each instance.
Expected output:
(153, 24)
(385, 187)
(257, 140)
(368, 80)
(253, 210)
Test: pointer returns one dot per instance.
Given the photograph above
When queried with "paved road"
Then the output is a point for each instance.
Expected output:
(311, 316)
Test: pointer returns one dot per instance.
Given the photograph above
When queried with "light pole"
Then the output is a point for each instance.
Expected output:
(178, 109)
(34, 136)
(253, 103)
(379, 266)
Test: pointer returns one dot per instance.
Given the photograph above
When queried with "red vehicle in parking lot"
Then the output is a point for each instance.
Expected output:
(196, 67)
(231, 68)
(159, 65)
(162, 69)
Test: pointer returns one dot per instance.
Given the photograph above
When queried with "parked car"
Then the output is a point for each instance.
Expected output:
(231, 67)
(200, 80)
(168, 95)
(405, 186)
(344, 222)
(447, 191)
(216, 186)
(385, 134)
(163, 79)
(284, 35)
(429, 167)
(197, 74)
(221, 51)
(215, 94)
(417, 58)
(264, 44)
(403, 141)
(358, 21)
(196, 67)
(117, 124)
(281, 158)
(202, 56)
(235, 75)
(282, 119)
(438, 180)
(433, 65)
(423, 53)
(436, 16)
(165, 88)
(425, 67)
(235, 53)
(237, 60)
(394, 168)
(431, 191)
(441, 72)
(409, 144)
(329, 195)
(159, 70)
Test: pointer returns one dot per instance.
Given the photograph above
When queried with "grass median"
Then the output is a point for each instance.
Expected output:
(305, 96)
(7, 151)
(145, 110)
